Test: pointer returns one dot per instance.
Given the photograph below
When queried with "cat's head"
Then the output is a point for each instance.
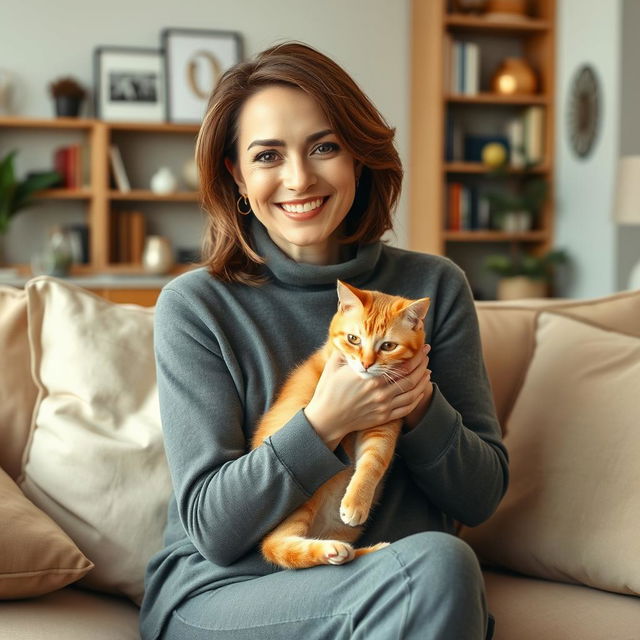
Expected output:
(375, 331)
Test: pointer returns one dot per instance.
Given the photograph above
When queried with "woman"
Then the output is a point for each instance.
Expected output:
(300, 176)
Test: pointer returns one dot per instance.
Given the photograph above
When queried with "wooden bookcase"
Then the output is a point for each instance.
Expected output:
(101, 200)
(434, 25)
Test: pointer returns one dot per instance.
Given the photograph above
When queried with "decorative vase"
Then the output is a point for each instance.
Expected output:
(513, 77)
(190, 174)
(67, 106)
(163, 181)
(56, 257)
(157, 257)
(520, 287)
(516, 222)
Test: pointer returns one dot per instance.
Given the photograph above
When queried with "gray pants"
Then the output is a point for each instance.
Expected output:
(426, 586)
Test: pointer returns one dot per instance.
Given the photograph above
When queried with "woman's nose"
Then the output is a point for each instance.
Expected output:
(299, 175)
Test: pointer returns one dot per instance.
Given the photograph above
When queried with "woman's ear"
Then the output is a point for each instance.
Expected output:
(234, 170)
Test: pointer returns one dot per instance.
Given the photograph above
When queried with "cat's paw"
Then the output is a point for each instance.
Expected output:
(352, 512)
(337, 552)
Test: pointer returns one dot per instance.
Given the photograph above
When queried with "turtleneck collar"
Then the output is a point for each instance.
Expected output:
(299, 274)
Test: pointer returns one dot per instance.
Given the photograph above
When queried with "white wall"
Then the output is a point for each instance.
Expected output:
(589, 31)
(41, 41)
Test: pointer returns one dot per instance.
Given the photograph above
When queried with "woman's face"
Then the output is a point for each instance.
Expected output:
(297, 175)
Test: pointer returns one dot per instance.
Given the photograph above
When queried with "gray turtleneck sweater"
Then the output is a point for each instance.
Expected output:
(222, 352)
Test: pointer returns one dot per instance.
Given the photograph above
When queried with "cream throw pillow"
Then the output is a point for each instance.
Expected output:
(36, 556)
(95, 462)
(572, 512)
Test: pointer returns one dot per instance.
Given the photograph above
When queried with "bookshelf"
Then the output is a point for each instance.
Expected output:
(437, 111)
(102, 203)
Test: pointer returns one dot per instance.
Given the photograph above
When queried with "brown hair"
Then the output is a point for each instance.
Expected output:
(226, 251)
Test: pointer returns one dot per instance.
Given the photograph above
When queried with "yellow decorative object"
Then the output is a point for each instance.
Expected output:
(514, 77)
(494, 154)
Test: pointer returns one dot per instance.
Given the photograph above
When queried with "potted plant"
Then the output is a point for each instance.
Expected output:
(524, 275)
(514, 212)
(67, 94)
(17, 194)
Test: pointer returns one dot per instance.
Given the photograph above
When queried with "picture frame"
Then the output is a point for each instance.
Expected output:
(195, 60)
(129, 84)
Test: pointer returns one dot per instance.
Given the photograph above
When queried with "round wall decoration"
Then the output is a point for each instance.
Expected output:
(584, 111)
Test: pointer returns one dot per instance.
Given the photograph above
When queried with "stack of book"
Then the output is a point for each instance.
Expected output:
(526, 138)
(72, 163)
(462, 67)
(128, 231)
(467, 209)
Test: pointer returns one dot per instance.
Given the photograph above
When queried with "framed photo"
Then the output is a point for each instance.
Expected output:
(129, 84)
(195, 60)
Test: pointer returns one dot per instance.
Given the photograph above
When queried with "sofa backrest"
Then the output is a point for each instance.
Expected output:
(507, 331)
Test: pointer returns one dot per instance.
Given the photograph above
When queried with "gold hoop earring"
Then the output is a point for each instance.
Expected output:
(247, 206)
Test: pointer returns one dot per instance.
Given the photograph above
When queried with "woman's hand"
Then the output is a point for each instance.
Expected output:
(420, 362)
(344, 401)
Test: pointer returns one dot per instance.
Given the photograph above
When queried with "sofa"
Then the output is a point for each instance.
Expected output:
(84, 483)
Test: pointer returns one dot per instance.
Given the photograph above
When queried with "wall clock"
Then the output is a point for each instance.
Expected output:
(584, 110)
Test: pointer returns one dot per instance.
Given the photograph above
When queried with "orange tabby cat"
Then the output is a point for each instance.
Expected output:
(375, 332)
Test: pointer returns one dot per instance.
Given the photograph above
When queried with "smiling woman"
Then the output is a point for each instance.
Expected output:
(295, 172)
(300, 177)
(293, 116)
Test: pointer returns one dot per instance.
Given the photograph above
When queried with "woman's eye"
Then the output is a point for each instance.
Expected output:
(353, 339)
(266, 156)
(388, 346)
(326, 147)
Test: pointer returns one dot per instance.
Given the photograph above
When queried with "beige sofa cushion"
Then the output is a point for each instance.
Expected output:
(70, 614)
(571, 512)
(95, 462)
(507, 331)
(36, 556)
(532, 609)
(17, 390)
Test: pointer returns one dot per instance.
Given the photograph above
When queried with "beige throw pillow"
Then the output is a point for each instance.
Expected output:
(95, 462)
(507, 331)
(36, 556)
(17, 389)
(571, 512)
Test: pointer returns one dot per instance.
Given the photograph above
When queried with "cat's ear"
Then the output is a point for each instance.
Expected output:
(416, 312)
(349, 297)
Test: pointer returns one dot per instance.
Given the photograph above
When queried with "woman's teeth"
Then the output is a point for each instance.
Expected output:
(302, 207)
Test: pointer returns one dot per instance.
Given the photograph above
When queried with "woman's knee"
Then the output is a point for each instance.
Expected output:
(439, 557)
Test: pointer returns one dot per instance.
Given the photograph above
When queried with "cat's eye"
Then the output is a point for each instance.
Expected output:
(353, 339)
(388, 346)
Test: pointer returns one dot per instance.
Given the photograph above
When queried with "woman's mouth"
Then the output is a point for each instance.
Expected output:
(303, 209)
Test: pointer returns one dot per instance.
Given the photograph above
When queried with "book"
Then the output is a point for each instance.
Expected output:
(534, 134)
(515, 135)
(117, 168)
(472, 69)
(137, 233)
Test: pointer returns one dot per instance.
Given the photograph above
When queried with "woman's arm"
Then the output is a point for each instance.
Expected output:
(455, 451)
(227, 498)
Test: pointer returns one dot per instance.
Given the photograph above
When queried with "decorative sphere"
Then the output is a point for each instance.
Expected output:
(494, 154)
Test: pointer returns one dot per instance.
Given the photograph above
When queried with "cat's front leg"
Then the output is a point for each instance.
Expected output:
(374, 451)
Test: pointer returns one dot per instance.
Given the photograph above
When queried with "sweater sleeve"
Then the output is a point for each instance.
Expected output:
(455, 453)
(227, 497)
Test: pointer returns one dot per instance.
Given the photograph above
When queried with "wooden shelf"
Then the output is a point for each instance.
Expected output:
(479, 168)
(440, 120)
(495, 236)
(142, 195)
(65, 194)
(463, 22)
(154, 127)
(46, 123)
(497, 99)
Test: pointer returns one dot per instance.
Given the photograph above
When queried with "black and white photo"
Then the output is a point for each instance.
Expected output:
(129, 84)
